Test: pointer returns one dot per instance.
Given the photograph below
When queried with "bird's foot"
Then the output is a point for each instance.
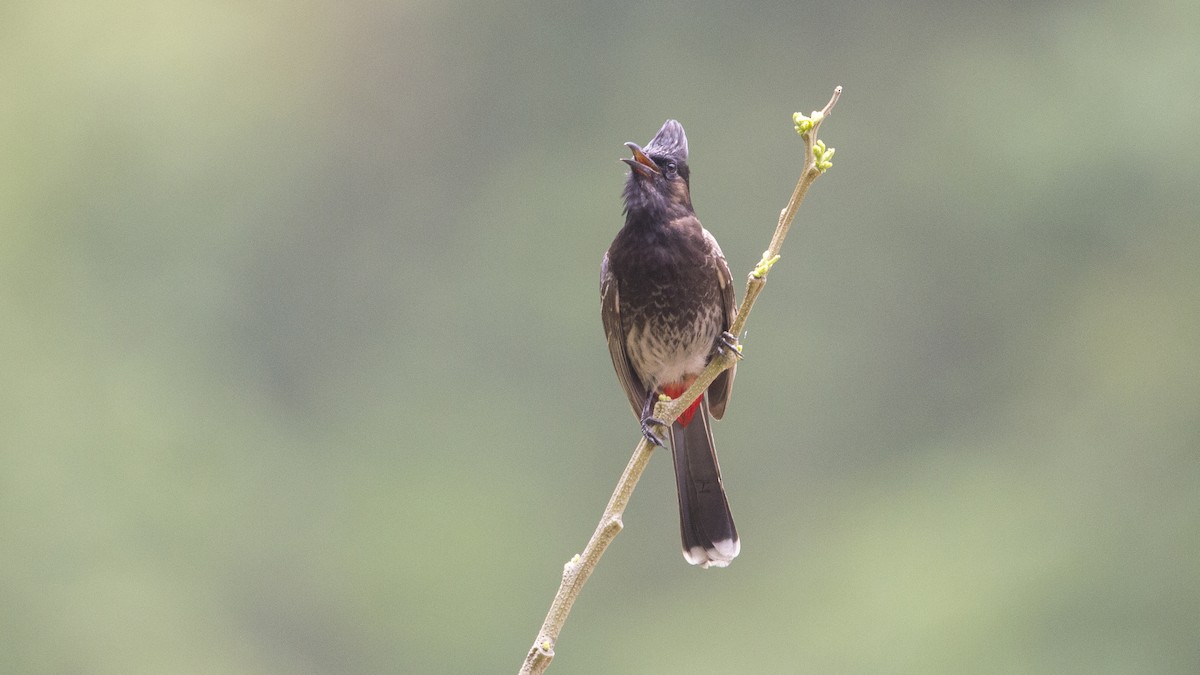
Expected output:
(729, 341)
(648, 430)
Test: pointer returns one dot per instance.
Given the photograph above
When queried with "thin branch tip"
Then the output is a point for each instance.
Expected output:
(837, 93)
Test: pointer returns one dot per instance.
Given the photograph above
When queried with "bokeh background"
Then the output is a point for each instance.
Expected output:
(303, 370)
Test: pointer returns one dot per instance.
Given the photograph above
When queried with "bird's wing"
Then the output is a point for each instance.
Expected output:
(610, 312)
(722, 387)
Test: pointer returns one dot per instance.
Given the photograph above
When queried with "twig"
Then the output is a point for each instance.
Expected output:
(817, 159)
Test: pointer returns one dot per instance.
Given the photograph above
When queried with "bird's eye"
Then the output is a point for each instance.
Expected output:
(671, 168)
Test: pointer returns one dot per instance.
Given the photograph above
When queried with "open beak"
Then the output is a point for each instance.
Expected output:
(640, 162)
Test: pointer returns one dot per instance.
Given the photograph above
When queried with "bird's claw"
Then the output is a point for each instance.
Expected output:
(729, 341)
(648, 425)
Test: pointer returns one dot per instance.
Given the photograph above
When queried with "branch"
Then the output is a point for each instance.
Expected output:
(817, 159)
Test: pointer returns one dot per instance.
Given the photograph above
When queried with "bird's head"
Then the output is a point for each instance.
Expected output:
(659, 177)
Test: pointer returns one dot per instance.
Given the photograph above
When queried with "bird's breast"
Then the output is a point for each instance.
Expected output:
(671, 333)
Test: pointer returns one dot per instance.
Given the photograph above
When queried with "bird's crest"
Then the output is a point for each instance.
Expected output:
(670, 141)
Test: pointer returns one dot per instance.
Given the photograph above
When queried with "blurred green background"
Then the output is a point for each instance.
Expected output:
(304, 372)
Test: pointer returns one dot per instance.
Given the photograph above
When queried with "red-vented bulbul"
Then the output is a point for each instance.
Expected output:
(666, 297)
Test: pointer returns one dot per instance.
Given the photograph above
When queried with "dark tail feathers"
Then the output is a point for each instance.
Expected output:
(709, 536)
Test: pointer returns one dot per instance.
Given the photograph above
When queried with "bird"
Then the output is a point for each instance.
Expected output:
(667, 302)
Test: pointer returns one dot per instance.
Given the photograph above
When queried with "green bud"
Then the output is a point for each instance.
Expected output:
(764, 265)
